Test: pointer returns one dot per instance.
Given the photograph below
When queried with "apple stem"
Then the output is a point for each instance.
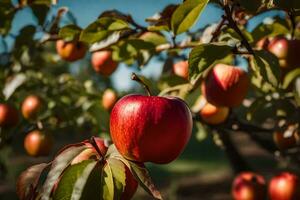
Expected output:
(93, 142)
(137, 79)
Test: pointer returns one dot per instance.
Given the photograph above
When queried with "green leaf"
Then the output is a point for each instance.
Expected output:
(170, 81)
(73, 181)
(28, 180)
(59, 164)
(118, 170)
(154, 38)
(107, 183)
(200, 131)
(267, 65)
(290, 77)
(186, 15)
(70, 32)
(143, 177)
(205, 55)
(102, 28)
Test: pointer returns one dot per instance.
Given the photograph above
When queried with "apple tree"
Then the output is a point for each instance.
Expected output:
(233, 79)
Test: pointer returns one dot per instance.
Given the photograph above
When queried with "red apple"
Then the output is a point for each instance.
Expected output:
(263, 43)
(109, 99)
(249, 186)
(225, 85)
(131, 185)
(71, 51)
(214, 115)
(8, 116)
(286, 51)
(181, 69)
(285, 186)
(37, 143)
(31, 106)
(150, 128)
(286, 139)
(103, 63)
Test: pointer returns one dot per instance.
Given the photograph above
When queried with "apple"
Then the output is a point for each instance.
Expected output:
(214, 115)
(249, 186)
(31, 106)
(286, 139)
(37, 143)
(263, 43)
(130, 187)
(109, 99)
(181, 69)
(225, 85)
(70, 51)
(285, 186)
(286, 51)
(103, 63)
(9, 116)
(150, 128)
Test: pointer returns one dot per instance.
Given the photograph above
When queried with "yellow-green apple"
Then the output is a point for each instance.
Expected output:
(249, 186)
(37, 143)
(9, 116)
(71, 51)
(150, 128)
(181, 69)
(285, 186)
(109, 99)
(31, 106)
(214, 115)
(225, 85)
(103, 63)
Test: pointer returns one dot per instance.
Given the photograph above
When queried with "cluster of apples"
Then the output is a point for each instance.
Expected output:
(36, 142)
(102, 61)
(252, 186)
(286, 50)
(224, 87)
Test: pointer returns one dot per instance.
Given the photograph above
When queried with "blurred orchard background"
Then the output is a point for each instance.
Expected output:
(202, 171)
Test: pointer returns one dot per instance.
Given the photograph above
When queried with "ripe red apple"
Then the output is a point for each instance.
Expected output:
(70, 51)
(263, 43)
(225, 85)
(103, 63)
(181, 69)
(214, 115)
(286, 51)
(109, 99)
(31, 106)
(285, 186)
(150, 128)
(37, 143)
(286, 139)
(9, 116)
(249, 186)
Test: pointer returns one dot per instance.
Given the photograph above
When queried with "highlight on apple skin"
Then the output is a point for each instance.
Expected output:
(214, 115)
(37, 143)
(225, 85)
(9, 116)
(284, 186)
(150, 128)
(249, 186)
(103, 63)
(31, 106)
(71, 51)
(286, 139)
(181, 69)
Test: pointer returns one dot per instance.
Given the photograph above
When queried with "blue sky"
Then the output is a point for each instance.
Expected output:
(88, 10)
